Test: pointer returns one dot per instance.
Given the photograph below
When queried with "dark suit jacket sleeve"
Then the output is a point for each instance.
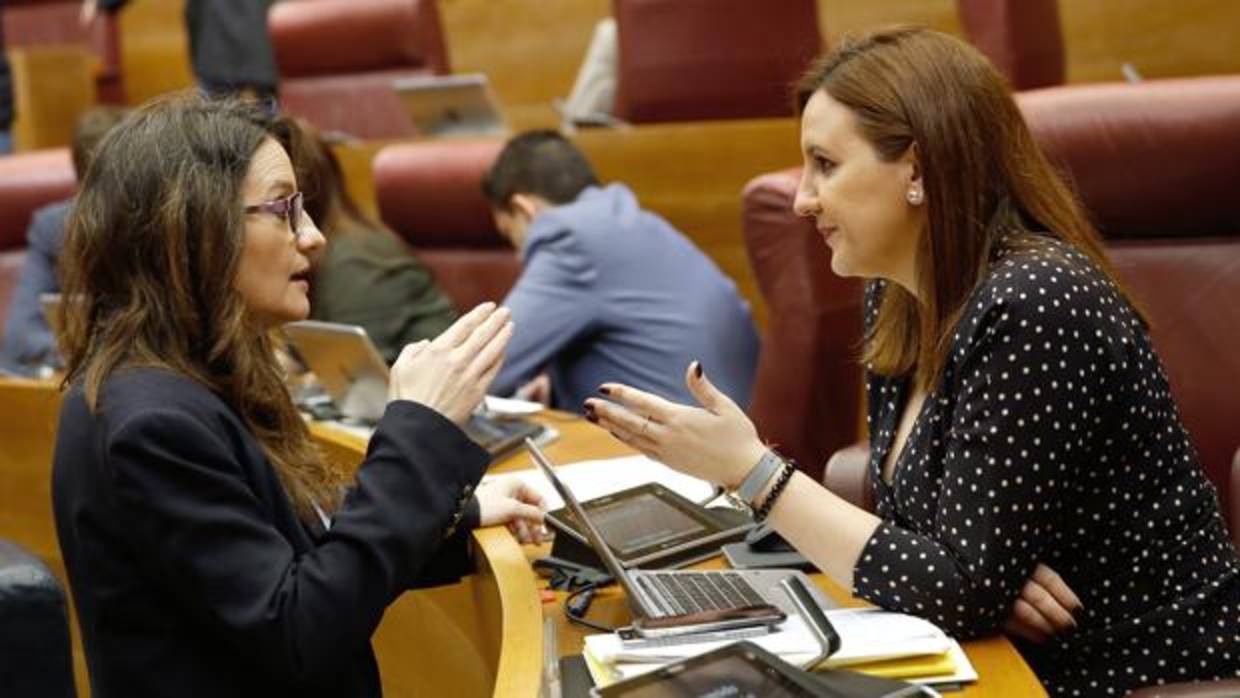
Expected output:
(196, 520)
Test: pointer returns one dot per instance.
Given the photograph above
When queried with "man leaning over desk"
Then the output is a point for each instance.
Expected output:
(608, 291)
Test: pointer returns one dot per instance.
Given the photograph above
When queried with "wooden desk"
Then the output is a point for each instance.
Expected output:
(505, 596)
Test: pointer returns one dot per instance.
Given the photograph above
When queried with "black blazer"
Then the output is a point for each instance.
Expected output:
(193, 576)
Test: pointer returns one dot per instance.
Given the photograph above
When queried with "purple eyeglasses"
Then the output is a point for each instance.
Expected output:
(289, 208)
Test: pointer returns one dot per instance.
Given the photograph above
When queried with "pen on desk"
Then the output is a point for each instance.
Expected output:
(551, 659)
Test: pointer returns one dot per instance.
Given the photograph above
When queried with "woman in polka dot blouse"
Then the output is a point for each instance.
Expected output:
(1030, 469)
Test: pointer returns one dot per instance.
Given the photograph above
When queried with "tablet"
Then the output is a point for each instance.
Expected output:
(739, 670)
(649, 523)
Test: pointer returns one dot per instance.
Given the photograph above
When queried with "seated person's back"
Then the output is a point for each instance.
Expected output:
(608, 289)
(28, 342)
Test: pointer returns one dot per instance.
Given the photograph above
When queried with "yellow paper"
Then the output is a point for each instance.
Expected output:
(923, 666)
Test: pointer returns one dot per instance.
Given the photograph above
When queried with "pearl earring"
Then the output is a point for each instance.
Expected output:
(915, 196)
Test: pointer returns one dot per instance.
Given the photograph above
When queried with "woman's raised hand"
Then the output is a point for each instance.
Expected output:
(715, 442)
(451, 373)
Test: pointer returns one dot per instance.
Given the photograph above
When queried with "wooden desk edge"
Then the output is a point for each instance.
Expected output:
(519, 672)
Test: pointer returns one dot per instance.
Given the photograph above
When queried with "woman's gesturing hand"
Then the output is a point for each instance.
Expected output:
(508, 500)
(1044, 609)
(715, 442)
(451, 373)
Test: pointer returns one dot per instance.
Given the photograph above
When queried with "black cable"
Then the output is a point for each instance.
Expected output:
(575, 613)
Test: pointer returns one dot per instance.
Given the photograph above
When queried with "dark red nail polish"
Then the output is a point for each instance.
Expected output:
(697, 370)
(604, 390)
(588, 407)
(591, 418)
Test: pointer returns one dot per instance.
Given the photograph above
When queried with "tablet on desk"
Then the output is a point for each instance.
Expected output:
(651, 524)
(745, 670)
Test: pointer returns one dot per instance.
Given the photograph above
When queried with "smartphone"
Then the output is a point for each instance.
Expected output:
(709, 621)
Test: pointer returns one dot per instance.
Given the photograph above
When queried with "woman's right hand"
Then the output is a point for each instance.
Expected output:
(451, 373)
(1045, 607)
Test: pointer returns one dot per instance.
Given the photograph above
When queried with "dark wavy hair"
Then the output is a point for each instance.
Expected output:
(987, 182)
(151, 252)
(543, 163)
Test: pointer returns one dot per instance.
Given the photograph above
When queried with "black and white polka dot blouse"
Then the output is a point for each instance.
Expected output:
(1052, 437)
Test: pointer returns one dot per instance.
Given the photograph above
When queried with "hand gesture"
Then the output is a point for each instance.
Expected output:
(508, 500)
(715, 442)
(451, 373)
(1044, 609)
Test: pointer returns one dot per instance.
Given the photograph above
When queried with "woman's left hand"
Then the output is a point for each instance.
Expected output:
(1044, 609)
(508, 500)
(715, 442)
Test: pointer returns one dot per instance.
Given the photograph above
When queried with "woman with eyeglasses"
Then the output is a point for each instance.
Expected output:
(211, 549)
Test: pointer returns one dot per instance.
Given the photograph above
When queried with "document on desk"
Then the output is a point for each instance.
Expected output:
(874, 641)
(595, 478)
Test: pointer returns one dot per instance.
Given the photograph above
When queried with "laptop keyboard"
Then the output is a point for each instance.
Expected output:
(708, 590)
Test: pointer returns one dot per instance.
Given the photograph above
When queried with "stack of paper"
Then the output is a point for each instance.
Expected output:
(873, 641)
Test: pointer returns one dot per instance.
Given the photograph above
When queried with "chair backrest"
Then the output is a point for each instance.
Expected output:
(27, 181)
(430, 193)
(337, 60)
(35, 659)
(684, 60)
(1156, 165)
(56, 22)
(806, 394)
(1023, 38)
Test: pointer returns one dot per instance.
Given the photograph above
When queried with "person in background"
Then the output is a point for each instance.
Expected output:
(29, 345)
(607, 289)
(1029, 466)
(211, 548)
(229, 45)
(365, 275)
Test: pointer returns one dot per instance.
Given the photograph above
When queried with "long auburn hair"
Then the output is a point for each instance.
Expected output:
(151, 252)
(986, 181)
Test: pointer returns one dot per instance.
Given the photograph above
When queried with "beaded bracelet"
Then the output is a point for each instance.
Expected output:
(784, 476)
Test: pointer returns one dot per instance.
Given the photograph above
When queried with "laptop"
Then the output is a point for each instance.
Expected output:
(355, 377)
(451, 105)
(660, 594)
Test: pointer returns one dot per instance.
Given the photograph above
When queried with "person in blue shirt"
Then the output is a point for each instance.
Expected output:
(27, 346)
(608, 291)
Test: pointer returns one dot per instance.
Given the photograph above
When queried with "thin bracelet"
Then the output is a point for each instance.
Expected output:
(784, 476)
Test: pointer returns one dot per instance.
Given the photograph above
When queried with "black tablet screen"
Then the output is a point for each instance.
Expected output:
(641, 522)
(731, 676)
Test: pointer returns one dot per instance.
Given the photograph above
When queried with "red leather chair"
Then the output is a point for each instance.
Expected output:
(806, 395)
(1155, 164)
(685, 60)
(337, 60)
(27, 181)
(430, 193)
(1022, 38)
(52, 22)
